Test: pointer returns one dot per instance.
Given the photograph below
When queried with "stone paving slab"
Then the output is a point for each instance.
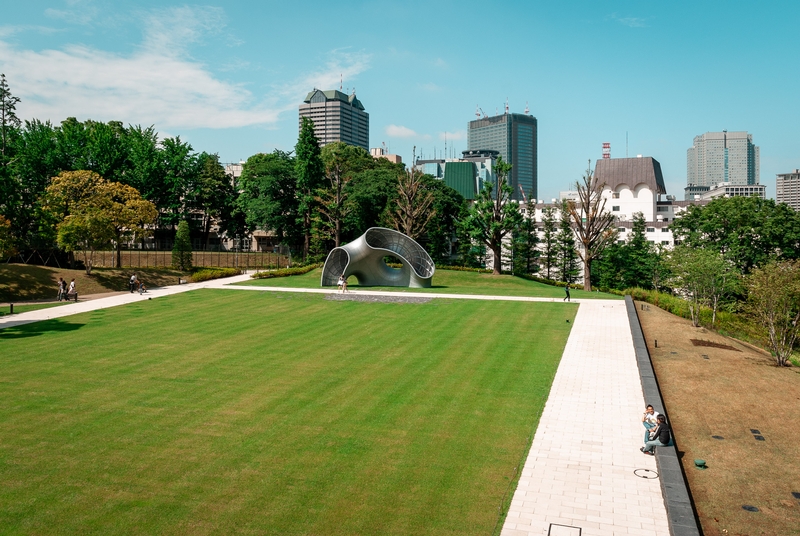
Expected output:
(580, 470)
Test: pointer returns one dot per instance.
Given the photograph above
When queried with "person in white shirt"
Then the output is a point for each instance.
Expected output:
(649, 421)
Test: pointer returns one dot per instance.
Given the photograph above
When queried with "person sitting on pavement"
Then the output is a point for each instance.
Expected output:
(649, 421)
(142, 288)
(661, 436)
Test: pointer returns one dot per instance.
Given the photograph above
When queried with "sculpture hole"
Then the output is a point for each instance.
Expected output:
(393, 262)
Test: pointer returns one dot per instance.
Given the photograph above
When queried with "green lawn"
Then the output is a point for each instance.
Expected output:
(447, 281)
(24, 308)
(223, 411)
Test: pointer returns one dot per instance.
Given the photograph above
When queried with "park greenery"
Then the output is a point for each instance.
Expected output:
(80, 186)
(422, 429)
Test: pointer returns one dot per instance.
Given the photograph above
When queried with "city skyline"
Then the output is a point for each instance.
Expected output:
(647, 79)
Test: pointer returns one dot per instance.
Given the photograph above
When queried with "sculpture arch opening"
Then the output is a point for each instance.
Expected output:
(363, 258)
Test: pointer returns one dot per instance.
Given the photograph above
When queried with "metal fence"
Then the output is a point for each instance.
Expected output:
(146, 258)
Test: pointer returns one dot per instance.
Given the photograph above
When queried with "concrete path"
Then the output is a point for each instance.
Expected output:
(579, 473)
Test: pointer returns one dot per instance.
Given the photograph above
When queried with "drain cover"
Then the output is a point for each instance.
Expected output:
(749, 508)
(717, 437)
(754, 431)
(759, 438)
(645, 473)
(563, 530)
(796, 494)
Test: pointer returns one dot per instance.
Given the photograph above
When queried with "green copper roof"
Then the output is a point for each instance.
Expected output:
(460, 176)
(321, 96)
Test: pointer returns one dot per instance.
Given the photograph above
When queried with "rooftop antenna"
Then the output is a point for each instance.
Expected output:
(527, 110)
(477, 112)
(341, 81)
(445, 144)
(506, 105)
(626, 144)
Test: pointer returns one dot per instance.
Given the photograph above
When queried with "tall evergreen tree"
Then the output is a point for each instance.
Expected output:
(310, 173)
(525, 244)
(549, 245)
(637, 270)
(568, 268)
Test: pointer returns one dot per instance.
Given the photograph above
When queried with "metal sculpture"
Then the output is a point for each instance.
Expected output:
(363, 258)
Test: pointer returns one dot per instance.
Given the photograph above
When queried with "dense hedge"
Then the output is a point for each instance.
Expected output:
(206, 274)
(550, 281)
(465, 269)
(285, 272)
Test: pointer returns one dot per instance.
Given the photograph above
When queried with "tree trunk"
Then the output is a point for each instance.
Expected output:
(497, 262)
(119, 251)
(207, 231)
(587, 275)
(338, 232)
(306, 234)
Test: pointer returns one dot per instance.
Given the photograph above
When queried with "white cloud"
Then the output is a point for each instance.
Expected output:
(455, 136)
(398, 131)
(158, 83)
(631, 22)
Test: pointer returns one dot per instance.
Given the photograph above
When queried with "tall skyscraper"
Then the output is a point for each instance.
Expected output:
(514, 136)
(787, 189)
(721, 157)
(336, 117)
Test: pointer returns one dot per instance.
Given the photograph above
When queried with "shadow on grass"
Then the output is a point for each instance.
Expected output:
(38, 328)
(20, 281)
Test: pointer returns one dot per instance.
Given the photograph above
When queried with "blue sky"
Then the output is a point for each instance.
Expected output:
(228, 77)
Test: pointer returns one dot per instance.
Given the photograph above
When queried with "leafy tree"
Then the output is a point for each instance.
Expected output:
(525, 245)
(211, 192)
(608, 268)
(342, 162)
(747, 230)
(568, 268)
(9, 131)
(413, 205)
(9, 122)
(639, 256)
(180, 169)
(182, 248)
(86, 231)
(369, 198)
(310, 173)
(268, 195)
(127, 213)
(6, 239)
(703, 276)
(144, 169)
(493, 217)
(450, 207)
(549, 245)
(593, 224)
(774, 301)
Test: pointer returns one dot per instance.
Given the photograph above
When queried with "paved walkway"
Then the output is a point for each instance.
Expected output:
(580, 469)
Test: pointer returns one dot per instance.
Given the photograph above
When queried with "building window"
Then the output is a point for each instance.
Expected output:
(615, 195)
(651, 229)
(662, 209)
(665, 229)
(665, 242)
(615, 208)
(621, 229)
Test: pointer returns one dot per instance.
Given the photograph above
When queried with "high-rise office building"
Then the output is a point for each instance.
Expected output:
(721, 157)
(514, 137)
(787, 189)
(336, 117)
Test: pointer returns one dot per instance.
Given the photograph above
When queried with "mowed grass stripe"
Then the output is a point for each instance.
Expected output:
(224, 411)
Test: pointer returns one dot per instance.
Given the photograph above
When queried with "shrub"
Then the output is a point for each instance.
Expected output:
(182, 249)
(465, 269)
(286, 272)
(206, 274)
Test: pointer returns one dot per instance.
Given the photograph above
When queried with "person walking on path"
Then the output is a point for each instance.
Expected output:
(661, 436)
(344, 284)
(566, 290)
(133, 283)
(72, 291)
(62, 287)
(649, 421)
(340, 283)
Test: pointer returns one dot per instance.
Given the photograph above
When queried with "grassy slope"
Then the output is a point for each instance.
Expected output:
(281, 414)
(448, 281)
(22, 282)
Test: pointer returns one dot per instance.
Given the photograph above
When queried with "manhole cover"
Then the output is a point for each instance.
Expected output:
(749, 508)
(645, 473)
(717, 437)
(563, 530)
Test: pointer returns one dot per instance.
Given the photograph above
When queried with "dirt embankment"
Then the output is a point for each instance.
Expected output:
(732, 407)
